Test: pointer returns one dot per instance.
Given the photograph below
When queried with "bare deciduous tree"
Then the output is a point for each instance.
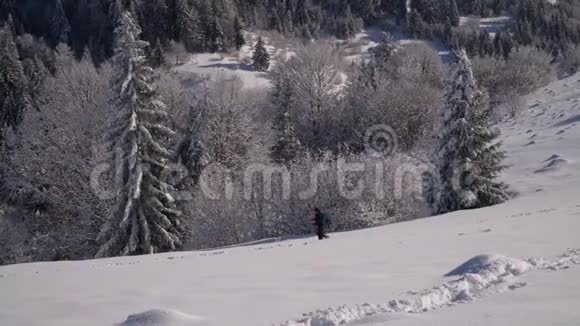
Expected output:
(53, 156)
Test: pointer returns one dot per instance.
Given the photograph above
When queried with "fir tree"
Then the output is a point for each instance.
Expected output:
(14, 95)
(478, 7)
(6, 10)
(288, 22)
(239, 40)
(400, 10)
(193, 150)
(59, 27)
(287, 147)
(453, 13)
(349, 26)
(469, 158)
(156, 58)
(115, 12)
(219, 37)
(143, 220)
(154, 14)
(261, 56)
(383, 52)
(276, 22)
(63, 56)
(187, 25)
(367, 9)
(415, 24)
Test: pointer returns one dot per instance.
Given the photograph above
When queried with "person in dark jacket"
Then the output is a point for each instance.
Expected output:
(321, 220)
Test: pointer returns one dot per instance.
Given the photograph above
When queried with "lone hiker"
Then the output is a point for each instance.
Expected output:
(321, 220)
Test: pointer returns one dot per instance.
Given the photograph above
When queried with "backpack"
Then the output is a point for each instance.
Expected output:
(326, 219)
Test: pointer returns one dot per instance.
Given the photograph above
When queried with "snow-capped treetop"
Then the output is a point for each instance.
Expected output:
(469, 158)
(143, 220)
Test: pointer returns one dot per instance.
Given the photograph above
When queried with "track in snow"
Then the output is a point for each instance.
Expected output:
(480, 277)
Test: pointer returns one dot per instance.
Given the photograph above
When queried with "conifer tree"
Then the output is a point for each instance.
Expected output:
(383, 52)
(6, 10)
(350, 26)
(217, 36)
(415, 24)
(143, 220)
(276, 22)
(287, 146)
(154, 14)
(14, 95)
(288, 22)
(453, 13)
(63, 56)
(156, 58)
(261, 56)
(193, 150)
(187, 25)
(239, 40)
(59, 27)
(469, 158)
(400, 8)
(478, 7)
(115, 12)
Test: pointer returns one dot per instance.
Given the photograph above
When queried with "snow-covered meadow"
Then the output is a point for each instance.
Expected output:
(520, 260)
(238, 64)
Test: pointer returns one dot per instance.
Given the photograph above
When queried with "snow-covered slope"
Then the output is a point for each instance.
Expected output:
(239, 64)
(392, 275)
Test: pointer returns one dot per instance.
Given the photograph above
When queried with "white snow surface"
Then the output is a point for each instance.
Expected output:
(161, 317)
(511, 264)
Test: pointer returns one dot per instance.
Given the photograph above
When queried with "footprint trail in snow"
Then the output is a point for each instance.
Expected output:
(479, 277)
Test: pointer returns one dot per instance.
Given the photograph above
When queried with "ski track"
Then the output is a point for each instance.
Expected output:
(499, 275)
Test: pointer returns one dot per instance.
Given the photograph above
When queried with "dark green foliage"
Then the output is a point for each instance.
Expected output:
(187, 25)
(261, 57)
(239, 40)
(155, 52)
(469, 156)
(154, 20)
(453, 12)
(214, 25)
(416, 27)
(287, 147)
(59, 26)
(14, 93)
(382, 54)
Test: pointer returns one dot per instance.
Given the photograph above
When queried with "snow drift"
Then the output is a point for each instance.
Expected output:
(162, 317)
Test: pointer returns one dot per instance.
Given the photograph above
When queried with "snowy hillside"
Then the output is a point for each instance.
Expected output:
(509, 264)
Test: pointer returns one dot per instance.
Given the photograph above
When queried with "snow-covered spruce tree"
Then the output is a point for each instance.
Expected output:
(382, 53)
(287, 146)
(261, 56)
(469, 158)
(215, 37)
(187, 25)
(59, 26)
(14, 95)
(143, 221)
